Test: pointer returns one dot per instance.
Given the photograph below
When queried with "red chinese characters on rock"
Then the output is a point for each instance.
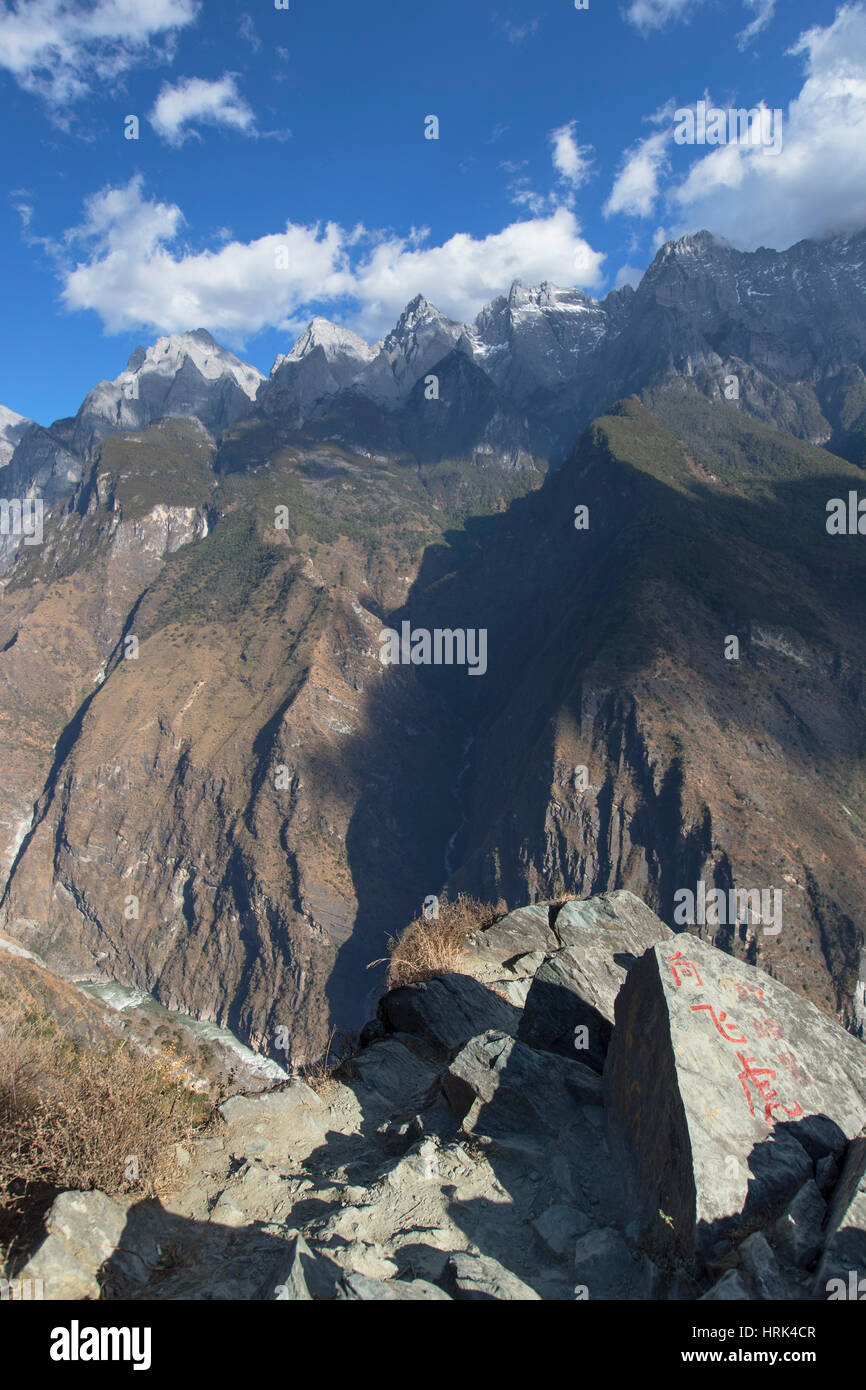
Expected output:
(734, 1035)
(684, 970)
(767, 1028)
(757, 1081)
(762, 1078)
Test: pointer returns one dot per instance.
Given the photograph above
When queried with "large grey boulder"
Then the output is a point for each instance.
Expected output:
(87, 1237)
(604, 1268)
(799, 1231)
(275, 1125)
(480, 1278)
(287, 1280)
(570, 1005)
(498, 1085)
(560, 1227)
(361, 1288)
(844, 1257)
(447, 1012)
(759, 1261)
(722, 1090)
(498, 949)
(390, 1075)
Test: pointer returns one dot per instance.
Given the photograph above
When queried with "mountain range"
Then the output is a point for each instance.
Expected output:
(215, 791)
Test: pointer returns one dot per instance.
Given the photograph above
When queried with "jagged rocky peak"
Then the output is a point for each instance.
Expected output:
(419, 311)
(333, 340)
(544, 297)
(693, 244)
(13, 427)
(168, 355)
(181, 374)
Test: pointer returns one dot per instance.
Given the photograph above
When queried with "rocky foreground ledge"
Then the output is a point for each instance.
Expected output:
(597, 1108)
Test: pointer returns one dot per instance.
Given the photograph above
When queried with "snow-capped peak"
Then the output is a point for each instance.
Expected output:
(419, 312)
(167, 355)
(182, 375)
(334, 340)
(12, 428)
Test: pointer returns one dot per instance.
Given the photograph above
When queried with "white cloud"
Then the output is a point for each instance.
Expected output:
(570, 160)
(59, 48)
(655, 14)
(22, 202)
(134, 272)
(647, 15)
(636, 186)
(516, 33)
(247, 30)
(194, 101)
(465, 273)
(816, 184)
(764, 11)
(628, 275)
(572, 164)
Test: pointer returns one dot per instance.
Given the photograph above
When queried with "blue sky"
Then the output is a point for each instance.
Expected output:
(282, 168)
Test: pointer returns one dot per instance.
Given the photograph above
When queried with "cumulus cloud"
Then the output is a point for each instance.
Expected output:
(570, 160)
(192, 101)
(59, 48)
(134, 271)
(816, 184)
(572, 164)
(636, 186)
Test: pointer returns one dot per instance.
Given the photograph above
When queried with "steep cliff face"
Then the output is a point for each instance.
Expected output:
(192, 828)
(622, 748)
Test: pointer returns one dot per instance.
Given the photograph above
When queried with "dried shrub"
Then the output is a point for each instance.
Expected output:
(77, 1117)
(432, 946)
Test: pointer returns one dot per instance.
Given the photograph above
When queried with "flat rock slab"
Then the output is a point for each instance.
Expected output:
(497, 1085)
(483, 1279)
(275, 1124)
(395, 1076)
(722, 1090)
(570, 1005)
(523, 933)
(360, 1287)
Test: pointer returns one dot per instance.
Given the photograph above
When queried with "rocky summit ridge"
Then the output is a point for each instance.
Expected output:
(592, 1108)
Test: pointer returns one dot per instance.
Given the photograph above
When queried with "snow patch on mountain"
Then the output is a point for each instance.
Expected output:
(334, 341)
(167, 356)
(12, 428)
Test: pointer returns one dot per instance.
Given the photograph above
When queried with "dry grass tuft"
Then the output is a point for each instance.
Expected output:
(432, 946)
(76, 1117)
